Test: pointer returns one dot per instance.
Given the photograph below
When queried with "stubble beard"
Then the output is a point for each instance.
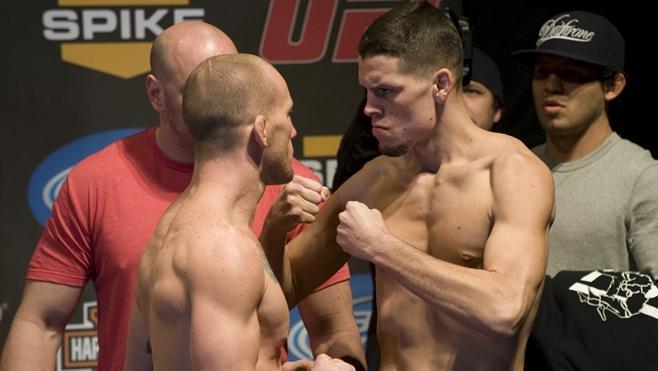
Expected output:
(393, 151)
(277, 164)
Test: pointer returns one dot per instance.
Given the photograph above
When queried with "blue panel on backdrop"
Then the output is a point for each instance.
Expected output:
(49, 176)
(298, 344)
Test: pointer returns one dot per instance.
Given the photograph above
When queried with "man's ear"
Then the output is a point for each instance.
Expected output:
(614, 86)
(444, 82)
(260, 130)
(155, 92)
(498, 113)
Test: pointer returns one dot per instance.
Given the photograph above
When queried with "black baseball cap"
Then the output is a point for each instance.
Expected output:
(485, 71)
(581, 36)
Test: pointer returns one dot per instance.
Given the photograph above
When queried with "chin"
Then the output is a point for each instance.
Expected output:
(393, 151)
(280, 176)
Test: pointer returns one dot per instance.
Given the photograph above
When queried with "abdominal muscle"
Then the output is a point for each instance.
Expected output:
(413, 335)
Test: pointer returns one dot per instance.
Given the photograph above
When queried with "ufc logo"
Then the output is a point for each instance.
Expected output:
(317, 24)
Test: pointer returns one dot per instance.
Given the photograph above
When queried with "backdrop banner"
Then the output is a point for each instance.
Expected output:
(74, 81)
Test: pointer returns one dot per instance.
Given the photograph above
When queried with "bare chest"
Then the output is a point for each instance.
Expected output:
(447, 215)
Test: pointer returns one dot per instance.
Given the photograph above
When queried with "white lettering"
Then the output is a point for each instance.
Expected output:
(125, 24)
(142, 23)
(84, 349)
(68, 24)
(330, 170)
(325, 169)
(316, 166)
(60, 25)
(89, 27)
(563, 30)
(184, 14)
(94, 345)
(76, 349)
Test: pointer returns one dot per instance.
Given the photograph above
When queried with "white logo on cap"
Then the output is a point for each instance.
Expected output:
(563, 29)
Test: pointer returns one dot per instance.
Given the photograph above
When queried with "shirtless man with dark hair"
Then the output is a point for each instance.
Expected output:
(454, 217)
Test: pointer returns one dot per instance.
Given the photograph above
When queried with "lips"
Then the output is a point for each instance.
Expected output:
(552, 105)
(378, 130)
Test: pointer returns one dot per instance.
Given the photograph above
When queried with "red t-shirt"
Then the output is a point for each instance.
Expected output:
(103, 218)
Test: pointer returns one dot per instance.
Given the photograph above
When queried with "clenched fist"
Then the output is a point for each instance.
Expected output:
(299, 202)
(322, 363)
(361, 230)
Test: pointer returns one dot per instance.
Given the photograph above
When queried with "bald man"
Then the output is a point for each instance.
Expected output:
(109, 206)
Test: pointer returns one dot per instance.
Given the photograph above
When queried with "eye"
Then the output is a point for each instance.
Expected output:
(541, 72)
(567, 73)
(577, 75)
(381, 91)
(471, 90)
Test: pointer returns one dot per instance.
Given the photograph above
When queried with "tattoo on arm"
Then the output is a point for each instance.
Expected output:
(268, 270)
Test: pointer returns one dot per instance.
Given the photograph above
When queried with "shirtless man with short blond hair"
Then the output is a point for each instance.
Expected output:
(207, 296)
(454, 217)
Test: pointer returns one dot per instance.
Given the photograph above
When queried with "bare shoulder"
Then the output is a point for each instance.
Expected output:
(362, 184)
(519, 179)
(218, 252)
(512, 157)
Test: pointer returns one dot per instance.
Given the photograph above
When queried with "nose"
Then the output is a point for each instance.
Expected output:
(370, 109)
(293, 132)
(553, 84)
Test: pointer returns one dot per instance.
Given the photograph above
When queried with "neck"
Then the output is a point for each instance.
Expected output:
(232, 183)
(173, 145)
(571, 147)
(452, 137)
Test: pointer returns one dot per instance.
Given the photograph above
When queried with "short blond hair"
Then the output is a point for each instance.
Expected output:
(223, 94)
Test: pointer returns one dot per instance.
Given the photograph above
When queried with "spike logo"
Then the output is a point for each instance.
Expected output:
(112, 36)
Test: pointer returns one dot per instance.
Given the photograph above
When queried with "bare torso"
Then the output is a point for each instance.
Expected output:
(167, 291)
(447, 215)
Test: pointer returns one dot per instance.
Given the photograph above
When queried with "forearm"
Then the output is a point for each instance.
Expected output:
(297, 265)
(30, 346)
(646, 259)
(343, 345)
(481, 299)
(37, 329)
(644, 238)
(138, 353)
(329, 320)
(273, 242)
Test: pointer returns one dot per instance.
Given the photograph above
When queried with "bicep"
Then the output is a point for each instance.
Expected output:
(64, 251)
(223, 335)
(48, 304)
(517, 247)
(225, 292)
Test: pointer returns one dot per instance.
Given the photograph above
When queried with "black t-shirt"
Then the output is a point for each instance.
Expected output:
(600, 320)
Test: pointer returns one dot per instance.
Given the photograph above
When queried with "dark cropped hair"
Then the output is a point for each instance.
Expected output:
(422, 36)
